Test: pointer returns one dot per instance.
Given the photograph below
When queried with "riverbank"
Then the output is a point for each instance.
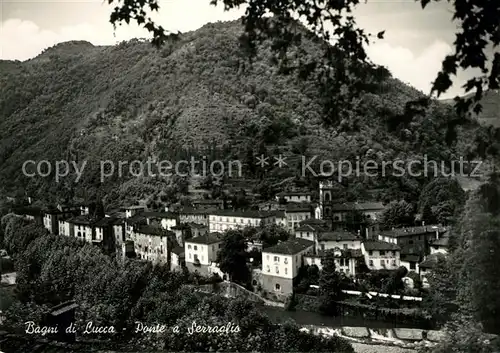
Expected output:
(369, 348)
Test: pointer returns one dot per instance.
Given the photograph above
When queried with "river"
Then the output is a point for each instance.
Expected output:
(312, 318)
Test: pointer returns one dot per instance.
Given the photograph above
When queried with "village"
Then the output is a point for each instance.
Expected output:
(190, 238)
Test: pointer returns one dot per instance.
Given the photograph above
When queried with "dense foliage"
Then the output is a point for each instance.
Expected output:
(465, 286)
(340, 66)
(121, 294)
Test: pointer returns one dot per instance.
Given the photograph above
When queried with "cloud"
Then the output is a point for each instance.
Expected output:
(23, 39)
(418, 70)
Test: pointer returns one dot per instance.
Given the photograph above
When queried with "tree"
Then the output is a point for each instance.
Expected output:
(329, 284)
(397, 214)
(343, 69)
(270, 235)
(483, 268)
(441, 299)
(441, 198)
(395, 284)
(232, 257)
(427, 214)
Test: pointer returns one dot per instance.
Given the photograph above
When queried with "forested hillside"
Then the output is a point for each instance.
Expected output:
(77, 101)
(490, 103)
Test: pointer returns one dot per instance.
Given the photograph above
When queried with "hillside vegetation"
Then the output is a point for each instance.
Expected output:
(490, 102)
(77, 101)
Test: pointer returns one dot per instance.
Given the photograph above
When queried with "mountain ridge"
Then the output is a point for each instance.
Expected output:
(131, 101)
(490, 102)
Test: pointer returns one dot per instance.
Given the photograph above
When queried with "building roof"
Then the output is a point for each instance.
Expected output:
(369, 206)
(344, 253)
(314, 221)
(295, 193)
(207, 202)
(338, 236)
(150, 230)
(403, 232)
(104, 222)
(196, 225)
(152, 214)
(243, 214)
(291, 208)
(360, 206)
(196, 211)
(371, 245)
(206, 239)
(289, 247)
(431, 261)
(82, 220)
(309, 228)
(136, 219)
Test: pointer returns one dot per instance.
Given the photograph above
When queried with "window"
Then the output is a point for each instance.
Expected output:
(268, 269)
(323, 247)
(371, 262)
(277, 269)
(313, 260)
(276, 259)
(382, 253)
(382, 262)
(410, 242)
(345, 246)
(277, 286)
(370, 253)
(412, 266)
(189, 246)
(285, 261)
(195, 247)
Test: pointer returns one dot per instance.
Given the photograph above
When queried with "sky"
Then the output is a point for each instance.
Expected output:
(415, 43)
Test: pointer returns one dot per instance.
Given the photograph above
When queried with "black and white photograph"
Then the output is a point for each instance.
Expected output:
(250, 176)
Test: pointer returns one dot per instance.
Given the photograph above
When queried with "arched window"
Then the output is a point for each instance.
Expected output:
(327, 197)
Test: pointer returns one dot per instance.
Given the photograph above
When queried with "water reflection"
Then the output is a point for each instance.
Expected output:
(311, 318)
